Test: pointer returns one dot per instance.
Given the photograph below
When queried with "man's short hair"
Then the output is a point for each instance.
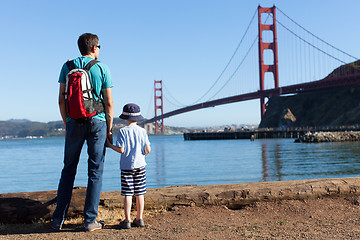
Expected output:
(86, 42)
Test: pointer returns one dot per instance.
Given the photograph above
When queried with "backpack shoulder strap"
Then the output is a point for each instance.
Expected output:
(70, 65)
(90, 64)
(87, 68)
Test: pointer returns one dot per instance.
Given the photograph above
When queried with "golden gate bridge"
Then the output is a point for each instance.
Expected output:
(310, 54)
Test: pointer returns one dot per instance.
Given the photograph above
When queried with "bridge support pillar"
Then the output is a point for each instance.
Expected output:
(264, 68)
(159, 110)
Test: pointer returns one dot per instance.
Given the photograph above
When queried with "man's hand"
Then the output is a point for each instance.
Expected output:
(109, 110)
(109, 137)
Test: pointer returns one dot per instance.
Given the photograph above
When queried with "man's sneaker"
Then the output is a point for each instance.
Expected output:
(55, 226)
(125, 224)
(94, 226)
(138, 223)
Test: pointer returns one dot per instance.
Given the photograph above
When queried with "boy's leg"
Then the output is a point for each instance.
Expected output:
(127, 207)
(140, 206)
(127, 190)
(139, 190)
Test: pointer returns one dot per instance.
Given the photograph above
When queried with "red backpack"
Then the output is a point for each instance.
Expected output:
(79, 93)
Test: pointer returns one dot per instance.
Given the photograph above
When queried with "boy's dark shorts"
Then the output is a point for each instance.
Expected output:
(133, 182)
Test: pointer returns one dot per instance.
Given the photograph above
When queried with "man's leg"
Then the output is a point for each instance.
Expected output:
(73, 144)
(96, 150)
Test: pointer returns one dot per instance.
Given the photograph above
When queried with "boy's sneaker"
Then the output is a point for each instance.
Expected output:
(94, 226)
(138, 223)
(55, 226)
(125, 224)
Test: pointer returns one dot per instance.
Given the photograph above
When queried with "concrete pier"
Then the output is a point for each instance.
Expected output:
(244, 134)
(268, 133)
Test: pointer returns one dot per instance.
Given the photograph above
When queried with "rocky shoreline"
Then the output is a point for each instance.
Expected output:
(317, 137)
(302, 209)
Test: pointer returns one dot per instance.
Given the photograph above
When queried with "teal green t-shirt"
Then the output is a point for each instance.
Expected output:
(99, 74)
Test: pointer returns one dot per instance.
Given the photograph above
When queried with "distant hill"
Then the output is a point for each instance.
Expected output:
(19, 120)
(24, 128)
(21, 128)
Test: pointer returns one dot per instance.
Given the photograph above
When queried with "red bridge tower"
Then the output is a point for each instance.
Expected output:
(264, 68)
(159, 124)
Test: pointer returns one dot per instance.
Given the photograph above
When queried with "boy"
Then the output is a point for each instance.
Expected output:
(133, 144)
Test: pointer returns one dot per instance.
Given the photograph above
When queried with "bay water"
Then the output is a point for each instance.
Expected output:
(28, 165)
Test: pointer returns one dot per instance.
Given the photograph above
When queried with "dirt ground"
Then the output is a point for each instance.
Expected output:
(325, 218)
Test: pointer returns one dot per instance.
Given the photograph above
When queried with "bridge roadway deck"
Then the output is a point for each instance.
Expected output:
(329, 82)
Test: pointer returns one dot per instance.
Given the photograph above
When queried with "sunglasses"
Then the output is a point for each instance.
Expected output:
(98, 46)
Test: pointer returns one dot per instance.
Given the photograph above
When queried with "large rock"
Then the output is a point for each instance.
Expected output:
(288, 119)
(28, 207)
(315, 137)
(331, 107)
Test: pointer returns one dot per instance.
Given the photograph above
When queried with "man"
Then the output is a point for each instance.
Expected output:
(94, 130)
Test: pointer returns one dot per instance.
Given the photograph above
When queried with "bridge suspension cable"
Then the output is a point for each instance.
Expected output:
(150, 108)
(240, 64)
(237, 68)
(304, 56)
(177, 104)
(310, 44)
(230, 60)
(313, 35)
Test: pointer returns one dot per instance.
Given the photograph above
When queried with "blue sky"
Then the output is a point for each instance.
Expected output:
(185, 43)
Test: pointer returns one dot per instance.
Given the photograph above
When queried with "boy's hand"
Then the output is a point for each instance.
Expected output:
(147, 150)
